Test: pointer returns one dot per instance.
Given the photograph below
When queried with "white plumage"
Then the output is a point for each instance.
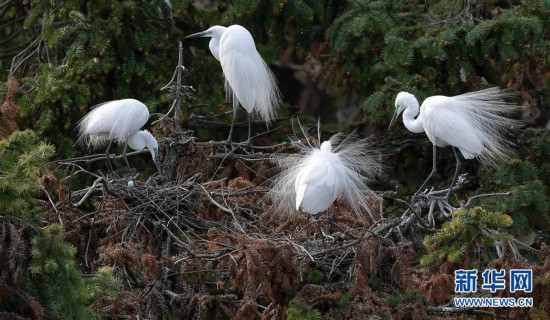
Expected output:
(315, 178)
(248, 79)
(118, 121)
(317, 184)
(113, 120)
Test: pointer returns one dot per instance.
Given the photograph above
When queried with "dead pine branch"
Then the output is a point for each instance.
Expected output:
(178, 91)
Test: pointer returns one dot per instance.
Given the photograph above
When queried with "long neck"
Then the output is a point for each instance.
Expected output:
(152, 145)
(214, 46)
(141, 139)
(414, 125)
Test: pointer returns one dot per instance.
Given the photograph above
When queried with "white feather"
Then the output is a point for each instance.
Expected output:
(113, 120)
(315, 177)
(250, 81)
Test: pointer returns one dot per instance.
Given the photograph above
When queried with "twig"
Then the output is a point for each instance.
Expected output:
(497, 194)
(175, 238)
(53, 206)
(96, 157)
(433, 309)
(178, 90)
(89, 192)
(303, 249)
(224, 209)
(240, 192)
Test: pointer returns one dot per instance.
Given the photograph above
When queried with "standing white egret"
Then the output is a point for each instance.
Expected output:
(118, 121)
(248, 80)
(472, 122)
(315, 178)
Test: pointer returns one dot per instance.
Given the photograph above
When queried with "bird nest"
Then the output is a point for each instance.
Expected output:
(194, 214)
(227, 242)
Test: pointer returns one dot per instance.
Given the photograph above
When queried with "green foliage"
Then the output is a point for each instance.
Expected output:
(55, 279)
(382, 47)
(393, 301)
(316, 277)
(49, 282)
(408, 297)
(468, 230)
(510, 34)
(23, 159)
(527, 178)
(97, 53)
(298, 310)
(298, 24)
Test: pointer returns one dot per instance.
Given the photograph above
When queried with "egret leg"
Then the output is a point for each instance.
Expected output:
(455, 177)
(230, 138)
(318, 224)
(124, 155)
(108, 157)
(434, 170)
(249, 141)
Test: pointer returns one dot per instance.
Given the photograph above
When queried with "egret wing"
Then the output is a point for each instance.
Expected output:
(311, 174)
(445, 124)
(249, 79)
(115, 120)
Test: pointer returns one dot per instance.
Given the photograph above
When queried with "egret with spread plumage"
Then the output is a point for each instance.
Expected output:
(313, 179)
(474, 123)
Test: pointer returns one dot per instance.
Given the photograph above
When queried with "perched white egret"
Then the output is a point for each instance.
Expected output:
(315, 178)
(118, 121)
(248, 80)
(474, 123)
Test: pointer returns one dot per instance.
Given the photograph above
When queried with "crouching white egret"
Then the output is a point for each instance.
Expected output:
(248, 80)
(472, 122)
(118, 121)
(315, 178)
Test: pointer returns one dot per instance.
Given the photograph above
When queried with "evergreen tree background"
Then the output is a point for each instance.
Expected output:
(342, 60)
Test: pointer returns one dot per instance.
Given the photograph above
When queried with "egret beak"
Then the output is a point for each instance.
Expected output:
(395, 116)
(198, 34)
(157, 163)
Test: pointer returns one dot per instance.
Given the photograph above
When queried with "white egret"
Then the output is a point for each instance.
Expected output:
(248, 80)
(315, 178)
(472, 122)
(118, 121)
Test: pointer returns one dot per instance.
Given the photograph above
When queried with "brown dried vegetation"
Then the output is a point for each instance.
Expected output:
(201, 248)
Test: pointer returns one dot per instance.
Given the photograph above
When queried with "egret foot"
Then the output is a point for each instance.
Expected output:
(227, 145)
(322, 232)
(442, 203)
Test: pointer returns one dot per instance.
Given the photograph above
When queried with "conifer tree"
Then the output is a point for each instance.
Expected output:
(468, 231)
(40, 277)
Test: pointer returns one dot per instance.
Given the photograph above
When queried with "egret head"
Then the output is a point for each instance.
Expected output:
(401, 103)
(212, 32)
(326, 146)
(141, 139)
(155, 154)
